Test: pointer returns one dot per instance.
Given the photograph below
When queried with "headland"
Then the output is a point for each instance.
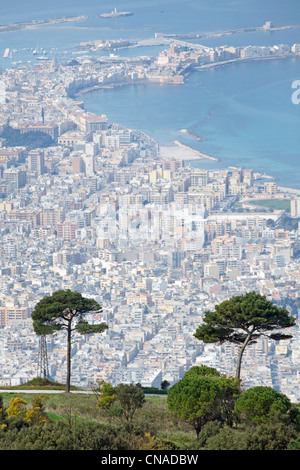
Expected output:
(39, 23)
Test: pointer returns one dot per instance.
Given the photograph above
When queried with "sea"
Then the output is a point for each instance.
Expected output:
(243, 112)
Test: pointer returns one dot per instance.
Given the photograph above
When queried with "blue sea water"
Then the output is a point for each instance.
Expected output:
(243, 111)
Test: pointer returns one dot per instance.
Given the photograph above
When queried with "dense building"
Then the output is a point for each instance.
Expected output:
(154, 241)
(66, 230)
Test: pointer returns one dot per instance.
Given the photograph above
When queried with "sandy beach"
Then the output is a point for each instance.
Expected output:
(180, 151)
(289, 190)
(184, 152)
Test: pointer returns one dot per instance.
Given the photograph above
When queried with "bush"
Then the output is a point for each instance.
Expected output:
(195, 399)
(261, 404)
(59, 436)
(211, 429)
(269, 436)
(129, 397)
(266, 436)
(294, 445)
(226, 439)
(204, 395)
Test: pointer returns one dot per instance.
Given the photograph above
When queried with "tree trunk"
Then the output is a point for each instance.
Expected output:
(68, 379)
(240, 355)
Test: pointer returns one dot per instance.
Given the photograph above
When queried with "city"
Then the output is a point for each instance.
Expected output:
(105, 211)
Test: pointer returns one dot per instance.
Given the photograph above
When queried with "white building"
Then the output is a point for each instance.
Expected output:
(295, 207)
(2, 92)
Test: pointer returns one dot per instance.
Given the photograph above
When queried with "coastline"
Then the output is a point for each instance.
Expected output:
(240, 60)
(229, 32)
(186, 153)
(294, 191)
(39, 23)
(198, 155)
(180, 151)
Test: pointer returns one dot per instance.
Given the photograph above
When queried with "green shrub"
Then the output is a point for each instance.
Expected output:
(226, 439)
(59, 436)
(269, 436)
(261, 404)
(294, 445)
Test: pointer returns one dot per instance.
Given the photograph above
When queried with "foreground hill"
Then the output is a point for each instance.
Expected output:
(73, 421)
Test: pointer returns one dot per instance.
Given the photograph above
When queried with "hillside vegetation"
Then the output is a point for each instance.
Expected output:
(76, 421)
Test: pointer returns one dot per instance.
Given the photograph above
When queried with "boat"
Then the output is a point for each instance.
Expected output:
(115, 14)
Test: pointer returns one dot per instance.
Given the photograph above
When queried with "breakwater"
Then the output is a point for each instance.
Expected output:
(226, 33)
(39, 23)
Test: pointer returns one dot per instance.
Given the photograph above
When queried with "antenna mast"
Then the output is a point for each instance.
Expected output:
(43, 370)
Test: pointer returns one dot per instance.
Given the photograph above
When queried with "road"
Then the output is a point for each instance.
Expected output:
(44, 391)
(72, 391)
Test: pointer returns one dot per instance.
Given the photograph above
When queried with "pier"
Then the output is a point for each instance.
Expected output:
(265, 27)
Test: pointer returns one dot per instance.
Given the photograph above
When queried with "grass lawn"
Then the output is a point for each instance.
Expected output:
(153, 418)
(280, 204)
